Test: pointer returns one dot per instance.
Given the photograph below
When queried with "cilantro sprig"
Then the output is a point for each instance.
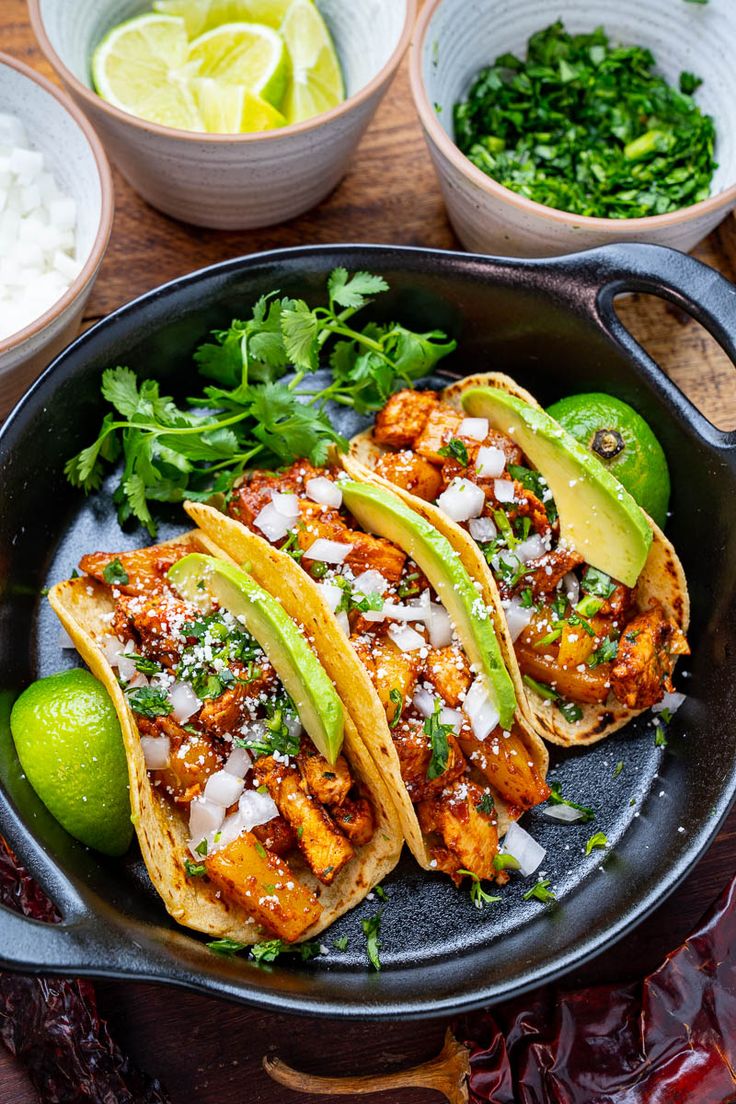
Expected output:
(248, 413)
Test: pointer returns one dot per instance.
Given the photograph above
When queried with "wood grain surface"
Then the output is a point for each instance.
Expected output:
(207, 1051)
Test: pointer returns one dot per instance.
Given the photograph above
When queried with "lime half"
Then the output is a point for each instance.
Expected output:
(68, 739)
(316, 83)
(623, 442)
(248, 54)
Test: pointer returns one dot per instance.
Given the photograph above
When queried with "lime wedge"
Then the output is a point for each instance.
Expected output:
(232, 109)
(316, 83)
(203, 15)
(243, 53)
(140, 67)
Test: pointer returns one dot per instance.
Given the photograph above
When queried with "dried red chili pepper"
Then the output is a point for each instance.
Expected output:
(669, 1039)
(52, 1025)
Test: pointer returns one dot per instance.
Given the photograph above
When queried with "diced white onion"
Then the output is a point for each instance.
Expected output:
(671, 701)
(482, 529)
(571, 588)
(462, 500)
(114, 653)
(184, 702)
(423, 701)
(490, 462)
(256, 808)
(517, 617)
(272, 523)
(370, 582)
(223, 788)
(343, 621)
(294, 726)
(503, 490)
(440, 626)
(565, 813)
(254, 731)
(476, 428)
(232, 827)
(204, 817)
(527, 852)
(398, 612)
(331, 593)
(323, 490)
(451, 717)
(238, 762)
(530, 549)
(481, 709)
(156, 751)
(286, 503)
(328, 551)
(406, 639)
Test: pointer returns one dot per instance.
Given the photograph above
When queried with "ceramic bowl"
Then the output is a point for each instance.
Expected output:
(73, 153)
(232, 181)
(457, 38)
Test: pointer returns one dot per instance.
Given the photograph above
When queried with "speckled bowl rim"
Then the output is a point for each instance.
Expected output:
(384, 73)
(107, 207)
(491, 187)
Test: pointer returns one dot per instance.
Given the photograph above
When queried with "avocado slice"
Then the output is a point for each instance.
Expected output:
(385, 514)
(598, 517)
(303, 676)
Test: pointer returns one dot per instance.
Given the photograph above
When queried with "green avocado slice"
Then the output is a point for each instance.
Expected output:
(598, 517)
(303, 676)
(385, 514)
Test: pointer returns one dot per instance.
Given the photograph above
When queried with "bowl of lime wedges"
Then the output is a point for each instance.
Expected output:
(230, 114)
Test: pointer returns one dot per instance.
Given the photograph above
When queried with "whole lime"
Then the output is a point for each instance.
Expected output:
(623, 442)
(69, 743)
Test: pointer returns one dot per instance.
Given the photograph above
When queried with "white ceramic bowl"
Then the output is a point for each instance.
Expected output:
(456, 38)
(74, 155)
(232, 181)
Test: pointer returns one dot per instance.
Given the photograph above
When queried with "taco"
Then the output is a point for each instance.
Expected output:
(408, 641)
(258, 809)
(591, 600)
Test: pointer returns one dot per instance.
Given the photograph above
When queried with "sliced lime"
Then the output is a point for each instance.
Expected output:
(316, 83)
(248, 54)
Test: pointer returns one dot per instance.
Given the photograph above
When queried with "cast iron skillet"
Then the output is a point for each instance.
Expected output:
(551, 324)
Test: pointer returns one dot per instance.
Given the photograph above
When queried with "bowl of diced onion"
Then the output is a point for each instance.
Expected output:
(56, 210)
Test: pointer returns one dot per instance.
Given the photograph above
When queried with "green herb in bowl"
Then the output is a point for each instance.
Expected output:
(588, 127)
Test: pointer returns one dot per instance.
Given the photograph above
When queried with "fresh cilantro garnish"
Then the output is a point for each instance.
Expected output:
(397, 699)
(504, 528)
(618, 768)
(115, 574)
(149, 701)
(597, 582)
(365, 602)
(660, 737)
(271, 949)
(247, 413)
(226, 947)
(145, 666)
(556, 798)
(409, 586)
(291, 546)
(278, 735)
(455, 450)
(485, 805)
(526, 598)
(437, 734)
(588, 605)
(202, 847)
(194, 870)
(600, 839)
(341, 943)
(571, 711)
(478, 895)
(540, 892)
(665, 716)
(372, 932)
(535, 482)
(606, 652)
(575, 619)
(587, 126)
(504, 861)
(381, 893)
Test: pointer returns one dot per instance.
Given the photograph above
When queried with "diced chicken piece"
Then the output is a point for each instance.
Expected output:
(412, 472)
(620, 605)
(276, 835)
(415, 754)
(505, 761)
(391, 671)
(227, 712)
(355, 820)
(367, 551)
(589, 685)
(323, 846)
(528, 505)
(403, 418)
(155, 622)
(145, 567)
(642, 672)
(449, 672)
(329, 783)
(192, 759)
(253, 494)
(544, 573)
(264, 886)
(469, 834)
(441, 425)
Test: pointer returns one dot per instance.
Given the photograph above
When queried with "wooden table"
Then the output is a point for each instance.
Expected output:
(207, 1051)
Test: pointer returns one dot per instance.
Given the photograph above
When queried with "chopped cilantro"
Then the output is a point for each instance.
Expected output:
(486, 805)
(660, 737)
(278, 735)
(201, 847)
(372, 932)
(535, 482)
(260, 849)
(556, 798)
(597, 582)
(290, 544)
(540, 892)
(504, 861)
(365, 602)
(618, 768)
(226, 947)
(398, 701)
(300, 831)
(478, 895)
(115, 574)
(455, 450)
(149, 701)
(571, 711)
(194, 870)
(145, 666)
(409, 586)
(341, 943)
(588, 605)
(271, 949)
(600, 839)
(527, 598)
(606, 652)
(631, 636)
(665, 716)
(437, 734)
(381, 893)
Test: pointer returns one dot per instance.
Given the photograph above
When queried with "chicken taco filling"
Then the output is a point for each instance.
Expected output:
(579, 635)
(225, 746)
(455, 757)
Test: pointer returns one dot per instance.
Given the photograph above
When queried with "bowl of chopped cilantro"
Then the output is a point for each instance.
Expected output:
(612, 123)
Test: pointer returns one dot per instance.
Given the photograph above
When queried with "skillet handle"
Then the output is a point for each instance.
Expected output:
(690, 285)
(33, 946)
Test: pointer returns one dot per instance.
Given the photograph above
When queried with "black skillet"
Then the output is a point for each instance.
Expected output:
(552, 325)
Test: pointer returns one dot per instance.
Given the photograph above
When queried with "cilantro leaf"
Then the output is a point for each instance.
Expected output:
(226, 947)
(600, 839)
(556, 798)
(149, 701)
(120, 388)
(437, 734)
(396, 697)
(271, 949)
(455, 449)
(300, 328)
(540, 892)
(115, 574)
(478, 895)
(372, 932)
(353, 291)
